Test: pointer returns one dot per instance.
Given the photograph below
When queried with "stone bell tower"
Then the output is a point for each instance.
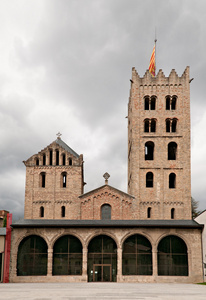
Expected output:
(159, 145)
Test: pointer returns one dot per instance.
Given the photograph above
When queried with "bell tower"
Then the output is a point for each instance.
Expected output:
(159, 145)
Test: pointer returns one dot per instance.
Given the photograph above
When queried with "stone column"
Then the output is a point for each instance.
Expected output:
(119, 264)
(49, 262)
(84, 263)
(154, 263)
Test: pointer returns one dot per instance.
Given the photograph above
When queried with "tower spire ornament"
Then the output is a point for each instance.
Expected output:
(106, 177)
(59, 135)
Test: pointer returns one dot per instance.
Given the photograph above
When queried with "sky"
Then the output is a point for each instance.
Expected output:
(65, 67)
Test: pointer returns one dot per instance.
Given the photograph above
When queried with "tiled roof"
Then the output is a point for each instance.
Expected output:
(107, 223)
(66, 147)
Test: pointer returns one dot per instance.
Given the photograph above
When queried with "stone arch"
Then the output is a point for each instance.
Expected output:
(32, 256)
(172, 256)
(57, 236)
(67, 256)
(102, 259)
(137, 255)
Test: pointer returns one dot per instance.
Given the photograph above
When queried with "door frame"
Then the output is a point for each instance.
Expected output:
(102, 266)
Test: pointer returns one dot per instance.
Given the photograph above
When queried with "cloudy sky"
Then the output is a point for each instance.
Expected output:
(65, 66)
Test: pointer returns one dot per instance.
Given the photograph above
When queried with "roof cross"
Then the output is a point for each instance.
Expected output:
(59, 135)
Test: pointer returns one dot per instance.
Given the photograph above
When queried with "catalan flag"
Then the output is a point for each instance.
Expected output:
(152, 66)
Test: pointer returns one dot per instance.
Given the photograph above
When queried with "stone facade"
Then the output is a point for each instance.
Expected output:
(156, 209)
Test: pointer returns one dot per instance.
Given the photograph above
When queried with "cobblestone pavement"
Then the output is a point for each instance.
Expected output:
(101, 291)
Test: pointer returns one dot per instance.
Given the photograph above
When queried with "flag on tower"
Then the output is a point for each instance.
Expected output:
(152, 66)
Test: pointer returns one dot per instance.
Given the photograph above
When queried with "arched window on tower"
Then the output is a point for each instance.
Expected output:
(172, 151)
(43, 179)
(44, 159)
(149, 180)
(146, 103)
(70, 161)
(149, 151)
(174, 125)
(37, 161)
(64, 180)
(172, 180)
(167, 125)
(149, 212)
(57, 157)
(153, 103)
(153, 125)
(41, 212)
(146, 125)
(51, 157)
(173, 103)
(172, 213)
(63, 210)
(63, 159)
(168, 103)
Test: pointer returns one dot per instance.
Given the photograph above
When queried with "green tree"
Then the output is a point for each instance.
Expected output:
(194, 205)
(4, 222)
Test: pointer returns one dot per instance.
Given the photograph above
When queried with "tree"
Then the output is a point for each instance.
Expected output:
(194, 206)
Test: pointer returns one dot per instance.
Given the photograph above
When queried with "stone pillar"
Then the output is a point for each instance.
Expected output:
(119, 264)
(84, 263)
(154, 263)
(49, 262)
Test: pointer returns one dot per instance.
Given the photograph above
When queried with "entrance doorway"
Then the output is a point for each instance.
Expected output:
(102, 273)
(102, 259)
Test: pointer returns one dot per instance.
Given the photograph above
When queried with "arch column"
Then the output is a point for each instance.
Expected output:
(154, 263)
(49, 262)
(119, 264)
(84, 263)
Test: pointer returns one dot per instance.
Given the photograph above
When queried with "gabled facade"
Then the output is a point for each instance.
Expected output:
(54, 180)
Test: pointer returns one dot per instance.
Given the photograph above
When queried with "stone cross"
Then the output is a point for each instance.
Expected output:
(106, 177)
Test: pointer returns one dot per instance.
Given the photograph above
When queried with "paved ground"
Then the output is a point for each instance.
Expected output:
(101, 291)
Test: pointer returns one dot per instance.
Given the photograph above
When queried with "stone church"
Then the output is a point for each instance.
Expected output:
(144, 235)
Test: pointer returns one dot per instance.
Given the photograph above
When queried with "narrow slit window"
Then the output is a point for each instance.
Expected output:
(64, 180)
(41, 212)
(149, 212)
(43, 180)
(44, 160)
(168, 125)
(63, 159)
(50, 157)
(63, 210)
(168, 103)
(174, 125)
(70, 161)
(172, 213)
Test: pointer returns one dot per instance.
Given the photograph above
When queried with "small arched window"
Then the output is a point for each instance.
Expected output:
(149, 212)
(149, 151)
(146, 125)
(70, 161)
(43, 179)
(41, 212)
(146, 103)
(63, 210)
(63, 159)
(172, 181)
(149, 180)
(106, 212)
(36, 161)
(64, 180)
(172, 213)
(172, 151)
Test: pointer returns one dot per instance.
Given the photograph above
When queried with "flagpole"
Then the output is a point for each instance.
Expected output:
(155, 52)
